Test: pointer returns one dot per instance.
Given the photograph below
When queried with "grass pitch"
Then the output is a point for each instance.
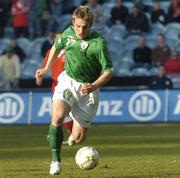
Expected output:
(126, 151)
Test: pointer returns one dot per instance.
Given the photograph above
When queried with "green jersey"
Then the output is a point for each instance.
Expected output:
(85, 59)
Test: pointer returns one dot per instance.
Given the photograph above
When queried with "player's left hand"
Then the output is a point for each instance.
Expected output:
(86, 88)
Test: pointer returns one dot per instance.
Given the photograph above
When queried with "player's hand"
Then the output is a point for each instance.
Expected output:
(86, 88)
(40, 73)
(39, 82)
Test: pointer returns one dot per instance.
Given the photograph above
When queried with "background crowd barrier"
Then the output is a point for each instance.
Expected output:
(116, 106)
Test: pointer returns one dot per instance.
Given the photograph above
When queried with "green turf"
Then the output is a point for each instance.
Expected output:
(126, 151)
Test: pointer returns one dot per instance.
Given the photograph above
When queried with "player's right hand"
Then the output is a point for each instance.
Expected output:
(39, 82)
(40, 73)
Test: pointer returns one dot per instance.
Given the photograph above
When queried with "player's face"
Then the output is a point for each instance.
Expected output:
(81, 28)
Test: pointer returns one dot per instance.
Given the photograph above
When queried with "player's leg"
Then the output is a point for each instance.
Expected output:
(68, 124)
(78, 134)
(60, 110)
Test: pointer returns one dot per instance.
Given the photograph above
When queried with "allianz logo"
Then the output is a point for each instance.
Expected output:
(11, 107)
(144, 105)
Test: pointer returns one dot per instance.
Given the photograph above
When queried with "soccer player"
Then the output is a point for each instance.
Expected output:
(88, 67)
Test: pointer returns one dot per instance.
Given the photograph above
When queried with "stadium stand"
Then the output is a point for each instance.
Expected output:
(119, 42)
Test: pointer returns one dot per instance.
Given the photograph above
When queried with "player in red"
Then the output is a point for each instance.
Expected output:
(56, 69)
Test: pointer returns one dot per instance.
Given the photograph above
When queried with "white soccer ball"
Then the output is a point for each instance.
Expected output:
(87, 158)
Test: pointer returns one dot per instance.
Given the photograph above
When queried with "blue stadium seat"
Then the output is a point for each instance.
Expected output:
(173, 30)
(131, 42)
(116, 55)
(28, 70)
(35, 50)
(102, 29)
(171, 42)
(106, 9)
(157, 29)
(1, 80)
(117, 31)
(153, 71)
(9, 32)
(140, 71)
(151, 41)
(176, 81)
(127, 62)
(4, 42)
(24, 43)
(64, 21)
(116, 45)
(123, 72)
(129, 5)
(165, 5)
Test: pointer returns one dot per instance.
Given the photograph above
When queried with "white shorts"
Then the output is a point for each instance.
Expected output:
(83, 108)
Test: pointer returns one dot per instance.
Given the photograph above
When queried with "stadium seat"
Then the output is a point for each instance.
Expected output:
(140, 71)
(116, 45)
(106, 9)
(28, 70)
(128, 53)
(126, 62)
(165, 5)
(177, 46)
(176, 81)
(153, 71)
(1, 79)
(123, 72)
(64, 21)
(9, 32)
(131, 43)
(117, 31)
(151, 41)
(35, 49)
(129, 5)
(173, 30)
(148, 2)
(24, 43)
(4, 42)
(171, 41)
(102, 29)
(116, 54)
(157, 29)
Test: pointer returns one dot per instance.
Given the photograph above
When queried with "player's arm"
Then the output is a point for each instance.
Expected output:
(52, 57)
(103, 79)
(39, 81)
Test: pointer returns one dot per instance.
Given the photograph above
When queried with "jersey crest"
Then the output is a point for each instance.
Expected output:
(84, 45)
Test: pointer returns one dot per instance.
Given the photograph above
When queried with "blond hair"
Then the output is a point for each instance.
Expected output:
(84, 13)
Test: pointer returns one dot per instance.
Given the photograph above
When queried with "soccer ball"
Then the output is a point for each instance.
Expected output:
(87, 158)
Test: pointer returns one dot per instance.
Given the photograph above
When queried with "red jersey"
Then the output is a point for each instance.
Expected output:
(57, 67)
(20, 14)
(172, 66)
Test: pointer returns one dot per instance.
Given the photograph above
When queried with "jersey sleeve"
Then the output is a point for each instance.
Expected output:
(103, 56)
(59, 44)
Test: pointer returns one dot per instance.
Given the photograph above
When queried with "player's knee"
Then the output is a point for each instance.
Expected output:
(57, 119)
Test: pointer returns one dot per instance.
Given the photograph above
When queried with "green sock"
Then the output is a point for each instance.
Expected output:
(55, 141)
